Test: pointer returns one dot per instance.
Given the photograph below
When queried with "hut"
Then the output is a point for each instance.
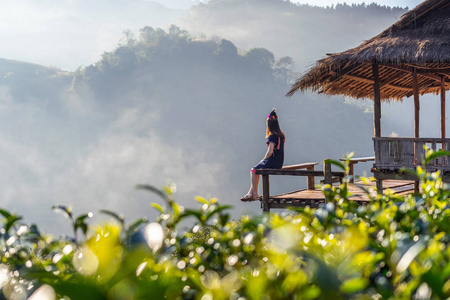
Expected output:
(409, 59)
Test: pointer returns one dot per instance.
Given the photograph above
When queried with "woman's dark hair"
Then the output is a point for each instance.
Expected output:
(273, 127)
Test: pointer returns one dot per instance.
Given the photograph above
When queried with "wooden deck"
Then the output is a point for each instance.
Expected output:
(314, 198)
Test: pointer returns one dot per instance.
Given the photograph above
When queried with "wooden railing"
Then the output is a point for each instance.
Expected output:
(395, 153)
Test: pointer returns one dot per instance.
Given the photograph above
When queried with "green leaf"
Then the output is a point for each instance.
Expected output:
(201, 200)
(79, 291)
(81, 218)
(83, 227)
(11, 221)
(432, 278)
(4, 213)
(176, 209)
(336, 163)
(311, 292)
(67, 211)
(79, 222)
(117, 217)
(224, 219)
(353, 285)
(435, 155)
(158, 207)
(411, 172)
(133, 226)
(154, 190)
(217, 210)
(194, 213)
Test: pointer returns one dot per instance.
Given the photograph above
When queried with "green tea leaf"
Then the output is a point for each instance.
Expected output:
(158, 207)
(354, 285)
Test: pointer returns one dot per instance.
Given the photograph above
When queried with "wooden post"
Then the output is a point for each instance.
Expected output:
(379, 184)
(351, 171)
(443, 109)
(377, 113)
(266, 191)
(376, 101)
(416, 112)
(416, 120)
(310, 179)
(327, 177)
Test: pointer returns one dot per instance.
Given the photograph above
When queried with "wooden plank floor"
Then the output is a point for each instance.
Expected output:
(313, 198)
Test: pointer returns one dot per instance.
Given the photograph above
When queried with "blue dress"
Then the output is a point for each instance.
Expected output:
(276, 160)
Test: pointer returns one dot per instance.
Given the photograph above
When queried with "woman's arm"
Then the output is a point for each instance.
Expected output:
(269, 150)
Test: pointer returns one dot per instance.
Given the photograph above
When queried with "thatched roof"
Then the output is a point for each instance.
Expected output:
(419, 42)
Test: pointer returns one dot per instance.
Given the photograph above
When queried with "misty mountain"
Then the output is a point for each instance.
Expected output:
(162, 107)
(69, 33)
(305, 33)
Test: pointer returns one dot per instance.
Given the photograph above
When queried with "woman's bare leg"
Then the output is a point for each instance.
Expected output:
(253, 191)
(255, 182)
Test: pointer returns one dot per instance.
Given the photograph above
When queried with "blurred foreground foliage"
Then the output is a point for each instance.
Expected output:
(393, 248)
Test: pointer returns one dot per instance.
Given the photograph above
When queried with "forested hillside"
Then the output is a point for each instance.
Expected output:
(306, 33)
(163, 106)
(210, 99)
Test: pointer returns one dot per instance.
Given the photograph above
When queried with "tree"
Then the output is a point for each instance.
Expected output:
(260, 57)
(227, 48)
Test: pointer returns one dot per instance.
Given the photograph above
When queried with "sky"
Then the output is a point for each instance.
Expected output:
(401, 3)
(69, 34)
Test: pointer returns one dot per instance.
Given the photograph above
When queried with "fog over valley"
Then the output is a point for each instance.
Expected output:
(120, 93)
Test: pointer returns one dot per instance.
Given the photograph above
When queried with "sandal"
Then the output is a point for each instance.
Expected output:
(247, 198)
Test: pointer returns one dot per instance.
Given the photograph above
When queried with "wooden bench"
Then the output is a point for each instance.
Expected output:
(308, 166)
(354, 161)
(295, 170)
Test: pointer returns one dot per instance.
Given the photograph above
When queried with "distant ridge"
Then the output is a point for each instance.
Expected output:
(302, 32)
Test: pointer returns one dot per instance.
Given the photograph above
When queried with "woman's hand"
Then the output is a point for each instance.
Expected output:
(269, 152)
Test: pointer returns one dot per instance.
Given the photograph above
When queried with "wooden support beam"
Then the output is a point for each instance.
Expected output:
(434, 77)
(310, 182)
(427, 73)
(416, 113)
(296, 172)
(385, 83)
(266, 193)
(327, 176)
(397, 87)
(425, 69)
(376, 101)
(342, 73)
(379, 185)
(388, 80)
(419, 69)
(416, 105)
(443, 107)
(424, 87)
(358, 78)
